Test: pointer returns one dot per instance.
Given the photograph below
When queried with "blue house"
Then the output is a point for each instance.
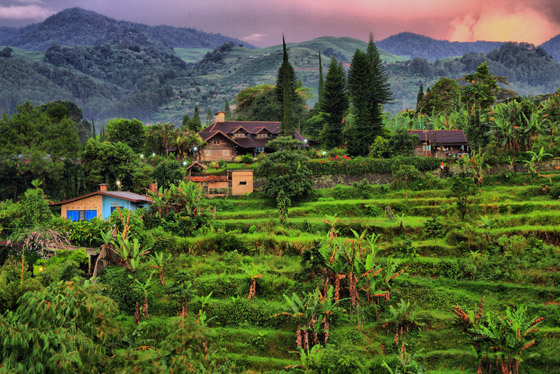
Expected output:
(100, 204)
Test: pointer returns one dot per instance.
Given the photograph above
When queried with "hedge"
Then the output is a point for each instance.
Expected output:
(360, 165)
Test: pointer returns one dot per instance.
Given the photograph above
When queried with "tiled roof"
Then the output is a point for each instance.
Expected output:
(441, 137)
(228, 128)
(125, 195)
(209, 178)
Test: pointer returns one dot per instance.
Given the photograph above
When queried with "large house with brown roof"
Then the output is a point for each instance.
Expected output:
(440, 143)
(228, 139)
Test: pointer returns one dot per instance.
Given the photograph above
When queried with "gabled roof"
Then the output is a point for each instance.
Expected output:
(228, 128)
(441, 137)
(196, 163)
(124, 195)
(218, 132)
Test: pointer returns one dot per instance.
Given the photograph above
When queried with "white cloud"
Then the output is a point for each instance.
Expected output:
(254, 38)
(23, 12)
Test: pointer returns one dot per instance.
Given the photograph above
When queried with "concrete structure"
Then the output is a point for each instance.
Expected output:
(440, 143)
(100, 204)
(241, 181)
(228, 139)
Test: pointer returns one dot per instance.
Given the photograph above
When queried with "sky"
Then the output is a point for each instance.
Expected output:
(262, 22)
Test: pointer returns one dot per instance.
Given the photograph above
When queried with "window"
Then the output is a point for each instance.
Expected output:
(262, 135)
(113, 208)
(260, 149)
(81, 215)
(242, 183)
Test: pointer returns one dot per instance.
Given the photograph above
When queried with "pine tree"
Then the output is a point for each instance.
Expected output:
(321, 89)
(209, 117)
(286, 85)
(227, 111)
(381, 89)
(196, 124)
(362, 132)
(419, 97)
(334, 104)
(369, 88)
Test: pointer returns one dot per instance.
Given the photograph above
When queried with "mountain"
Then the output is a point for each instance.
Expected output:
(413, 45)
(553, 47)
(79, 27)
(125, 79)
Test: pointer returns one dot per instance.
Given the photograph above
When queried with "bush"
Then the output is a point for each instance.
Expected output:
(246, 159)
(119, 288)
(554, 192)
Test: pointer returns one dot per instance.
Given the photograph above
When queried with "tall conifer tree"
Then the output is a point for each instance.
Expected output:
(369, 88)
(359, 86)
(334, 104)
(286, 85)
(320, 91)
(419, 97)
(227, 111)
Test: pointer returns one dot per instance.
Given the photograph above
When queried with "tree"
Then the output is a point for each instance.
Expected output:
(463, 189)
(128, 131)
(406, 174)
(286, 85)
(359, 86)
(334, 105)
(227, 111)
(320, 90)
(402, 143)
(209, 118)
(106, 162)
(444, 98)
(380, 89)
(168, 172)
(283, 203)
(159, 138)
(193, 124)
(286, 170)
(419, 98)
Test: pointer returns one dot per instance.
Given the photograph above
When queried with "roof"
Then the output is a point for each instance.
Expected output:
(209, 178)
(441, 137)
(228, 128)
(124, 195)
(196, 163)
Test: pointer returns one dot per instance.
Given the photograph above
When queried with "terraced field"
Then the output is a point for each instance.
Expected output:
(506, 249)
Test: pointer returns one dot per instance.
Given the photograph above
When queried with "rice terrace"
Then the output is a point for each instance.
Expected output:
(177, 201)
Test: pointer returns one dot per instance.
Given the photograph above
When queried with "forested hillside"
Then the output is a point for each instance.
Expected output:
(413, 45)
(78, 27)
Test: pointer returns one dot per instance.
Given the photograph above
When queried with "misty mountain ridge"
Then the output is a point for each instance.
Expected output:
(80, 27)
(412, 45)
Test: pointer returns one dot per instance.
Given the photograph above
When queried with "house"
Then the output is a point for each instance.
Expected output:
(228, 139)
(237, 182)
(100, 204)
(440, 143)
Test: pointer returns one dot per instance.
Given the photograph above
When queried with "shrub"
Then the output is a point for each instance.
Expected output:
(246, 159)
(119, 288)
(222, 164)
(554, 192)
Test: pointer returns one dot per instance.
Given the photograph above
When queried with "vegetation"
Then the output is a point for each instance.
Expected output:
(354, 277)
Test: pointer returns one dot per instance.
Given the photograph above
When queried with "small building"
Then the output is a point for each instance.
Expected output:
(100, 204)
(213, 185)
(440, 143)
(237, 182)
(195, 168)
(228, 139)
(241, 181)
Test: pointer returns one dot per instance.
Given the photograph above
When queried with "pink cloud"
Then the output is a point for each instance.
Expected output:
(24, 12)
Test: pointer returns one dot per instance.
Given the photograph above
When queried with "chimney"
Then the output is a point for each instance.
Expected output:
(103, 187)
(153, 187)
(220, 117)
